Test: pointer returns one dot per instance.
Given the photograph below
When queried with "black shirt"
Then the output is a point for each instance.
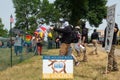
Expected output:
(114, 41)
(66, 34)
(85, 34)
(95, 36)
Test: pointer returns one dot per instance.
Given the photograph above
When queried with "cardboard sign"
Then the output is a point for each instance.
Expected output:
(110, 27)
(57, 67)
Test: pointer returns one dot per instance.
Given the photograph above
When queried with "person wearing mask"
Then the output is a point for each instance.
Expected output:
(112, 63)
(84, 40)
(77, 45)
(65, 39)
(39, 45)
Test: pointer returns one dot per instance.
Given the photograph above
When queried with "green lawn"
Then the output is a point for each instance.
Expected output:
(5, 58)
(31, 67)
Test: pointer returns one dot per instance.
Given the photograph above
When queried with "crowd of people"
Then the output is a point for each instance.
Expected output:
(65, 43)
(66, 49)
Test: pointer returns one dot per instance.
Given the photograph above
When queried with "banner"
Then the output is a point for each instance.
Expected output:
(57, 67)
(110, 27)
(28, 38)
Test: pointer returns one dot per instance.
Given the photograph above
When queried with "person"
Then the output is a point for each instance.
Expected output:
(70, 49)
(112, 63)
(65, 39)
(39, 45)
(0, 43)
(50, 40)
(57, 41)
(18, 44)
(78, 46)
(34, 44)
(84, 40)
(94, 39)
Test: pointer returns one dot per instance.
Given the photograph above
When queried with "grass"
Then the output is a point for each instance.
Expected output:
(31, 67)
(118, 46)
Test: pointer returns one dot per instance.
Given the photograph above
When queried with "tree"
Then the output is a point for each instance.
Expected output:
(48, 12)
(3, 32)
(26, 12)
(91, 10)
(97, 11)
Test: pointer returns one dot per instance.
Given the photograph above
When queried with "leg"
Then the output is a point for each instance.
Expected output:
(63, 49)
(84, 54)
(40, 50)
(15, 50)
(110, 59)
(115, 67)
(96, 47)
(70, 54)
(75, 59)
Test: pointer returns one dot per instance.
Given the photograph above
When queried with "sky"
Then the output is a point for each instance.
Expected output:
(7, 8)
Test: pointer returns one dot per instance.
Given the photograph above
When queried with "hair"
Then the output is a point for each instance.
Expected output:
(94, 30)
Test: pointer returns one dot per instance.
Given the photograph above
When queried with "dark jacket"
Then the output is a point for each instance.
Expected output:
(114, 41)
(95, 36)
(85, 34)
(66, 34)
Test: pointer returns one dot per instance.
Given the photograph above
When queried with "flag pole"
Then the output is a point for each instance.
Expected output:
(11, 21)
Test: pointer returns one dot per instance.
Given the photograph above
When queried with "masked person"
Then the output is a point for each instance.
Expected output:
(84, 40)
(112, 63)
(66, 30)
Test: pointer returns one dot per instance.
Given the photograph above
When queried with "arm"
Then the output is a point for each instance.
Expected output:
(116, 29)
(103, 44)
(64, 30)
(83, 40)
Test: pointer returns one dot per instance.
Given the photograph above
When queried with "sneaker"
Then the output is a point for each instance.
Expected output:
(77, 63)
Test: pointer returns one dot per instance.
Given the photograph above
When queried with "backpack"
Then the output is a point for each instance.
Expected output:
(75, 36)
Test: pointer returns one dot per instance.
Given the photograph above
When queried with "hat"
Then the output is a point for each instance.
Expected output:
(77, 27)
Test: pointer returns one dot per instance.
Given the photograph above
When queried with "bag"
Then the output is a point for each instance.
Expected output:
(75, 36)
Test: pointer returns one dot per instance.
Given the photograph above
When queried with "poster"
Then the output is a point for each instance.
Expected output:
(57, 67)
(110, 27)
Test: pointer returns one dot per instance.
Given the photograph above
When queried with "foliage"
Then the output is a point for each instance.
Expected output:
(3, 32)
(29, 11)
(97, 11)
(48, 12)
(26, 11)
(91, 10)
